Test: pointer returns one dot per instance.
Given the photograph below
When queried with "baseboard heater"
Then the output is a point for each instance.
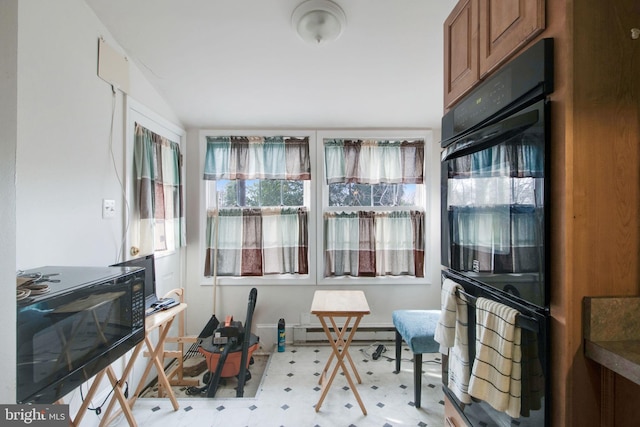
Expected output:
(312, 334)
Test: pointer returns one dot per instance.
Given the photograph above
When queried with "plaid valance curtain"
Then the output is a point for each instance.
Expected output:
(260, 241)
(257, 242)
(159, 193)
(257, 157)
(374, 161)
(369, 244)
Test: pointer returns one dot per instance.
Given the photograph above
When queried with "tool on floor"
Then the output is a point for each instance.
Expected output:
(213, 322)
(379, 350)
(228, 352)
(244, 374)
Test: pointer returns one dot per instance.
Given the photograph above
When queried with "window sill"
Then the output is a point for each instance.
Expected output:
(309, 281)
(304, 280)
(373, 281)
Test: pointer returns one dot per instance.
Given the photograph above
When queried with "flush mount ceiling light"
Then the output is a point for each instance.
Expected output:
(318, 21)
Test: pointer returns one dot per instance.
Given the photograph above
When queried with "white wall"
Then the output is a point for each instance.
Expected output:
(8, 135)
(64, 160)
(64, 163)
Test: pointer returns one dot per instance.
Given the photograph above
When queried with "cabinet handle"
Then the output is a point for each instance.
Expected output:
(450, 422)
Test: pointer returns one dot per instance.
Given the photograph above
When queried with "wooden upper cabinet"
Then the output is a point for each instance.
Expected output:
(461, 70)
(506, 27)
(481, 35)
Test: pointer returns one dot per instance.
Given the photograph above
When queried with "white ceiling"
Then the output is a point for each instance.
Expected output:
(239, 63)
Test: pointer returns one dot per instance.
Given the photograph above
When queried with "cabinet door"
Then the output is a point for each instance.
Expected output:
(505, 27)
(451, 416)
(460, 51)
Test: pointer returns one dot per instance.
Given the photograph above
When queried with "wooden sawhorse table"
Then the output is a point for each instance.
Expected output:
(329, 305)
(162, 321)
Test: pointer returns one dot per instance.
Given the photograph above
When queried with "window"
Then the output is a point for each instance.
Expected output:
(352, 194)
(257, 191)
(373, 205)
(159, 203)
(354, 214)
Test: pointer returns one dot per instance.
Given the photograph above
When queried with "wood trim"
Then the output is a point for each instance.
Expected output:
(451, 416)
(607, 393)
(461, 70)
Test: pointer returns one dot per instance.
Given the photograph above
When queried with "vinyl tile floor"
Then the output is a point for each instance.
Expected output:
(289, 391)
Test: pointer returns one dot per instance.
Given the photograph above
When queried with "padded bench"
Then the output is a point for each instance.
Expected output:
(416, 328)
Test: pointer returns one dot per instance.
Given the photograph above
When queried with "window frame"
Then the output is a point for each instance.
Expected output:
(139, 113)
(281, 279)
(322, 201)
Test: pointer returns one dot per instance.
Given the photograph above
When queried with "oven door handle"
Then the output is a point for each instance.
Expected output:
(491, 135)
(522, 321)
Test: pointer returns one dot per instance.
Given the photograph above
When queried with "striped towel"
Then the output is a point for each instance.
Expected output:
(496, 372)
(451, 332)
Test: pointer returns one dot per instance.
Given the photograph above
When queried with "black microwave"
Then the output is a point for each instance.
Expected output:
(86, 318)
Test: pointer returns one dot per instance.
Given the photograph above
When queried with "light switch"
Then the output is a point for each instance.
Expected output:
(108, 208)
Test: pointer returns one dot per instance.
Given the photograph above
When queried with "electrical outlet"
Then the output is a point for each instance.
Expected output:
(108, 208)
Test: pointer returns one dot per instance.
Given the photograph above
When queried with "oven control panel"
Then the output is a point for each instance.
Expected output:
(530, 75)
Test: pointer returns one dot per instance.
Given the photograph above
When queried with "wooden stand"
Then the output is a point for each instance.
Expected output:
(176, 374)
(162, 321)
(117, 392)
(329, 305)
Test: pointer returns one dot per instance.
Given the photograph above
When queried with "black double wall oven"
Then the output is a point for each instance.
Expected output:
(495, 223)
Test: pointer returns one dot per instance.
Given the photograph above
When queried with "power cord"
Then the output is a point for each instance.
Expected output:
(120, 251)
(376, 351)
(98, 409)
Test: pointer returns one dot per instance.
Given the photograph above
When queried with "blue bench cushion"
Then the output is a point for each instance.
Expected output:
(417, 328)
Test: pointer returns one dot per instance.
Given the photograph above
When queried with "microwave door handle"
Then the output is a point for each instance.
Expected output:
(491, 135)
